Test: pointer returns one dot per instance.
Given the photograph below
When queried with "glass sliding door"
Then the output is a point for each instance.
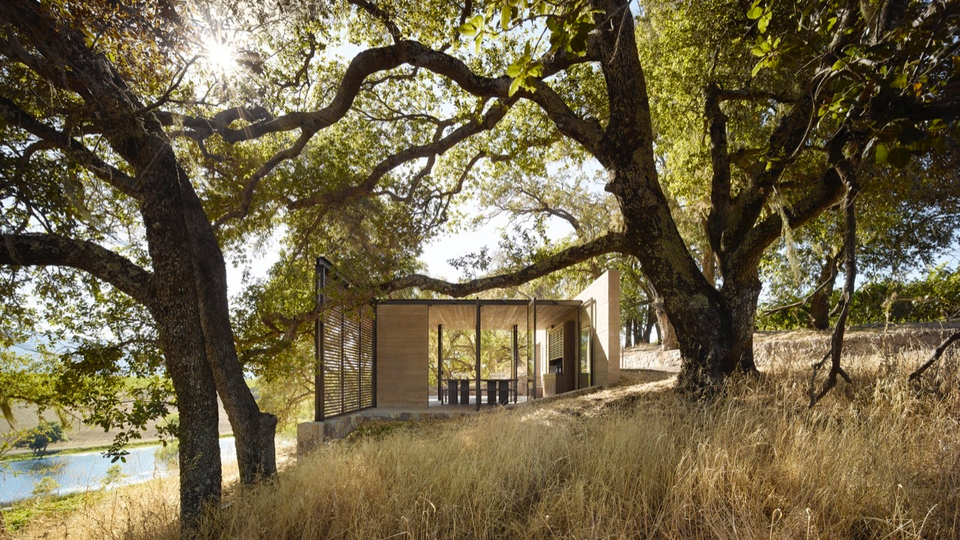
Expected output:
(587, 313)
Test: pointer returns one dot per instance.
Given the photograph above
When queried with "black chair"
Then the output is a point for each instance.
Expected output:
(452, 394)
(491, 392)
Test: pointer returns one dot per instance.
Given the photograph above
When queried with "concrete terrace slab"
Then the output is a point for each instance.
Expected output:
(311, 435)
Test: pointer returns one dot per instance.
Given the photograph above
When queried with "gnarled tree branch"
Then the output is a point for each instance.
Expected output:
(438, 147)
(74, 149)
(608, 243)
(51, 250)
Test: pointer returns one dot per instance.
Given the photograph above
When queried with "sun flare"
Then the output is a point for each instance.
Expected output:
(220, 55)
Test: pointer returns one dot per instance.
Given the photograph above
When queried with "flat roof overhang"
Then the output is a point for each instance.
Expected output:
(494, 314)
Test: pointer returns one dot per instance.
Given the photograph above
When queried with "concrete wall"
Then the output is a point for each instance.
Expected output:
(605, 292)
(402, 355)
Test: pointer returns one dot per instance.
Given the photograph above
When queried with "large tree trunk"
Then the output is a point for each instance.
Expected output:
(194, 317)
(714, 330)
(741, 293)
(179, 326)
(254, 430)
(200, 466)
(715, 348)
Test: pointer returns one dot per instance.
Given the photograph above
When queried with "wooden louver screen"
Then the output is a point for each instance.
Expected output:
(555, 336)
(348, 360)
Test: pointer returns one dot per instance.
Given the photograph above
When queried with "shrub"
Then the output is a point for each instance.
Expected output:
(45, 487)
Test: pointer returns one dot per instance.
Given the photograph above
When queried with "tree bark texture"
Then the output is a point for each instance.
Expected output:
(181, 337)
(819, 313)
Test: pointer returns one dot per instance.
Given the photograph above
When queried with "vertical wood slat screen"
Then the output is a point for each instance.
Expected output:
(555, 348)
(348, 360)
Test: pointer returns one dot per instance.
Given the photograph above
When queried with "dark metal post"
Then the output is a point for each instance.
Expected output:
(375, 355)
(579, 369)
(536, 361)
(440, 363)
(360, 357)
(320, 282)
(516, 360)
(343, 355)
(478, 354)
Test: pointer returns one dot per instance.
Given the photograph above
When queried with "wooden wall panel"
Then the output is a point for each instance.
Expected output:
(605, 291)
(402, 356)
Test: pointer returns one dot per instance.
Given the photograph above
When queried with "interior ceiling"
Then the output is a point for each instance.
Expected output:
(496, 317)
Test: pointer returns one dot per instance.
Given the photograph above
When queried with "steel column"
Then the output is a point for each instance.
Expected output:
(440, 363)
(320, 283)
(536, 362)
(579, 370)
(516, 360)
(478, 354)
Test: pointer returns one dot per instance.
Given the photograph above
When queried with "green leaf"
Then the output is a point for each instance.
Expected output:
(88, 37)
(839, 64)
(899, 157)
(758, 67)
(477, 21)
(578, 43)
(514, 69)
(505, 17)
(900, 81)
(881, 154)
(755, 12)
(764, 21)
(514, 86)
(467, 29)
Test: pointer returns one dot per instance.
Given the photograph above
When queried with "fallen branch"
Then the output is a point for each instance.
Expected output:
(935, 356)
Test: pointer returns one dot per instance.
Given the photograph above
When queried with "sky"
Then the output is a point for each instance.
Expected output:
(435, 254)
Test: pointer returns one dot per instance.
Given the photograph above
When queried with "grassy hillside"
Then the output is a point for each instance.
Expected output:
(877, 460)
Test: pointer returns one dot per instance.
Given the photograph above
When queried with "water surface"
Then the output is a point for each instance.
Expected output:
(81, 472)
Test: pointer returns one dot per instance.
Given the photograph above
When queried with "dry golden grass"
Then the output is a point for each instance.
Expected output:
(878, 460)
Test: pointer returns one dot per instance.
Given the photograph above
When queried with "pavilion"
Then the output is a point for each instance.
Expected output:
(377, 357)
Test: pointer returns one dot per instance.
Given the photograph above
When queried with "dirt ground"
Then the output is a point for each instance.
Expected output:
(904, 342)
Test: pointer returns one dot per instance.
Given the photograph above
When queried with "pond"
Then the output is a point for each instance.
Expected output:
(86, 471)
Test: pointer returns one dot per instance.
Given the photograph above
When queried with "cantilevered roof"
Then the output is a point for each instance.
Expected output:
(494, 314)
